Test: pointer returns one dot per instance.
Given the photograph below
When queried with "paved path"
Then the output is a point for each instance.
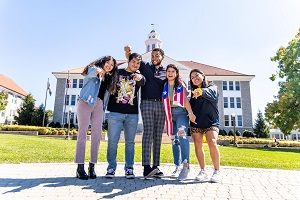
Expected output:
(57, 181)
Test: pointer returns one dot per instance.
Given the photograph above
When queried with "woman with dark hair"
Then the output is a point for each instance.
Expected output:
(178, 112)
(90, 110)
(204, 103)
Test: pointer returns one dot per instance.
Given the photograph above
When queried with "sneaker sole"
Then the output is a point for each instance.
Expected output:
(109, 176)
(214, 181)
(130, 177)
(151, 173)
(202, 180)
(182, 179)
(158, 176)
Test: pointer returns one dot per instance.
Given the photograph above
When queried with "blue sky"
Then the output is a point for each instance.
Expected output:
(41, 37)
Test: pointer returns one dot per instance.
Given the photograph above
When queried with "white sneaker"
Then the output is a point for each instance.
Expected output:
(202, 176)
(176, 172)
(183, 174)
(216, 177)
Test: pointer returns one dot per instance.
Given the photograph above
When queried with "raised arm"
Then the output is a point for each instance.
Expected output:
(128, 51)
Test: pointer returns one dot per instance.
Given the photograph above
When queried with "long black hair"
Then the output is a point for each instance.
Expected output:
(112, 86)
(177, 80)
(204, 82)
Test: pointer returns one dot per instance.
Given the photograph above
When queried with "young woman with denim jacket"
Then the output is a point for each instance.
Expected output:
(90, 111)
(178, 113)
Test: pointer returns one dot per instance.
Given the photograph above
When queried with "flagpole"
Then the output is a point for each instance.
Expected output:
(43, 123)
(67, 87)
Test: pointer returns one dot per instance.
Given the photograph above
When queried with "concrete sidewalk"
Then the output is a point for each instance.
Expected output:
(57, 181)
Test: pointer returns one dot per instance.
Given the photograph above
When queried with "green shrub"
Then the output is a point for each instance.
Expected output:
(248, 134)
(222, 132)
(57, 125)
(61, 132)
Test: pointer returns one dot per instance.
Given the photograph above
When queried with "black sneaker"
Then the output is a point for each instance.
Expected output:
(149, 172)
(129, 174)
(158, 173)
(110, 173)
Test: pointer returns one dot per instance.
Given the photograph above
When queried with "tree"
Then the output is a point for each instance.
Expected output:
(25, 113)
(3, 100)
(37, 117)
(261, 128)
(284, 111)
(49, 113)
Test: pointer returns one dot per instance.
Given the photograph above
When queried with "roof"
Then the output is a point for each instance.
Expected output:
(210, 70)
(11, 85)
(80, 69)
(207, 69)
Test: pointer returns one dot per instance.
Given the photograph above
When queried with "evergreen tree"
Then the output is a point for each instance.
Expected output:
(261, 128)
(25, 113)
(37, 118)
(3, 100)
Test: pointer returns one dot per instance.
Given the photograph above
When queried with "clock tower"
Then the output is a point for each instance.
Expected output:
(153, 41)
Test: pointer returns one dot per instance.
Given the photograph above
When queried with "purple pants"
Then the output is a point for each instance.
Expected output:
(87, 115)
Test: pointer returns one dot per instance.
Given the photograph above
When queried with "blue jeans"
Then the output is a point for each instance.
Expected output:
(117, 121)
(181, 144)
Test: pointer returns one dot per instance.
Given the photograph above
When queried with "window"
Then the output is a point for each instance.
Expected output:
(238, 102)
(68, 83)
(80, 83)
(226, 120)
(237, 86)
(240, 120)
(153, 46)
(67, 99)
(2, 114)
(232, 121)
(230, 85)
(72, 118)
(74, 83)
(225, 102)
(231, 102)
(189, 86)
(148, 48)
(73, 99)
(224, 85)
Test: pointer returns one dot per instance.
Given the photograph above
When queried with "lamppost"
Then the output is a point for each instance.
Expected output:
(234, 133)
(69, 121)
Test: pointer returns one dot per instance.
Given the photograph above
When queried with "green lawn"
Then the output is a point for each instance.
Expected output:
(28, 149)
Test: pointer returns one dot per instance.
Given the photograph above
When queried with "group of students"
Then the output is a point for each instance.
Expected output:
(163, 102)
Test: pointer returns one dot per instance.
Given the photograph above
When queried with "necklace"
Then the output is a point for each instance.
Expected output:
(156, 72)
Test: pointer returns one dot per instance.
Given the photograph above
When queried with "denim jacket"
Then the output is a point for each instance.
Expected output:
(90, 88)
